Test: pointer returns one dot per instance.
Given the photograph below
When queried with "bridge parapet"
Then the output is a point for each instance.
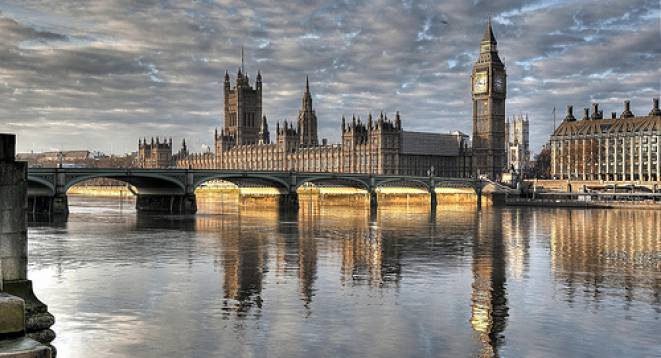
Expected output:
(173, 190)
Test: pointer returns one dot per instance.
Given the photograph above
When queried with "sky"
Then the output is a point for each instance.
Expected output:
(100, 74)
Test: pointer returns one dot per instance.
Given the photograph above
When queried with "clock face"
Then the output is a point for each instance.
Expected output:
(480, 82)
(499, 82)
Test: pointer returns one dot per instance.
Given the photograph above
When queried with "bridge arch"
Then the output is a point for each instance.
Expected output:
(362, 184)
(145, 183)
(235, 177)
(425, 185)
(40, 186)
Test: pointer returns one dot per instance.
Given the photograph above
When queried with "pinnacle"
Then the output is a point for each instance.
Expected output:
(488, 34)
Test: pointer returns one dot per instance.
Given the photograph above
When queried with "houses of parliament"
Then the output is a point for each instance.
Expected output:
(370, 145)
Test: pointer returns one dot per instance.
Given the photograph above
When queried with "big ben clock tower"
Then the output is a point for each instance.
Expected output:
(489, 91)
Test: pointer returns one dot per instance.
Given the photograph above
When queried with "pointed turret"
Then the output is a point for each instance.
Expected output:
(306, 102)
(307, 119)
(488, 34)
(264, 134)
(488, 46)
(655, 108)
(258, 81)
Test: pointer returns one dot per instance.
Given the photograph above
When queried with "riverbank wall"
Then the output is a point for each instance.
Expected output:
(614, 204)
(330, 196)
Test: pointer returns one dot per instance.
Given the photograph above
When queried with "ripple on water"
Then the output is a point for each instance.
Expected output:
(255, 281)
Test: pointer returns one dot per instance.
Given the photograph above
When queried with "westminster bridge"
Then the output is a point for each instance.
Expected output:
(173, 190)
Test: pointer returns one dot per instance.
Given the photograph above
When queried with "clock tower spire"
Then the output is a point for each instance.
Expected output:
(489, 93)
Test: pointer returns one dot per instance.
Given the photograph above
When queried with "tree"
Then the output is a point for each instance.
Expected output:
(541, 168)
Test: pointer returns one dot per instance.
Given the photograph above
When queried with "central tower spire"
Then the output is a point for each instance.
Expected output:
(306, 102)
(307, 119)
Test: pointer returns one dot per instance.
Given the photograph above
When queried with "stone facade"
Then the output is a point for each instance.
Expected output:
(517, 140)
(489, 84)
(375, 146)
(627, 148)
(157, 154)
(372, 146)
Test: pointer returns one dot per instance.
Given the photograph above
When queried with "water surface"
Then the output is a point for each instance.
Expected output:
(339, 281)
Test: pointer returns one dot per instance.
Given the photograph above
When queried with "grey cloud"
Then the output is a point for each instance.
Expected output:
(91, 72)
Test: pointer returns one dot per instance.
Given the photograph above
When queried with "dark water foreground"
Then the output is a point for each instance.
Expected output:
(512, 282)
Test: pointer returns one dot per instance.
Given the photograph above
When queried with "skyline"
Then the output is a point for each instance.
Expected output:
(86, 74)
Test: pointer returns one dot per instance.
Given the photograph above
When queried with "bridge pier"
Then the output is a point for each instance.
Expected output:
(166, 203)
(56, 206)
(289, 201)
(478, 192)
(432, 194)
(374, 200)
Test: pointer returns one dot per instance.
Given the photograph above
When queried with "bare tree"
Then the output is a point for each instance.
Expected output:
(541, 167)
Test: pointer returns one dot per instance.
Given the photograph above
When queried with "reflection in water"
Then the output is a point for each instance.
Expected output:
(601, 252)
(402, 282)
(489, 309)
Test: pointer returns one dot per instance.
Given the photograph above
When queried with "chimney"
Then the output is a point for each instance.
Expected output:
(570, 114)
(596, 113)
(627, 110)
(655, 108)
(586, 113)
(595, 110)
(613, 115)
(324, 141)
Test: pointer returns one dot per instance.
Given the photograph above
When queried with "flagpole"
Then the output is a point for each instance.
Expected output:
(553, 118)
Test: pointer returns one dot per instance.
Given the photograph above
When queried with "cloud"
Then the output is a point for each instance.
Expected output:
(75, 74)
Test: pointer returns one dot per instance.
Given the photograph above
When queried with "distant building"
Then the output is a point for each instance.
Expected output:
(518, 143)
(624, 148)
(376, 145)
(75, 158)
(157, 154)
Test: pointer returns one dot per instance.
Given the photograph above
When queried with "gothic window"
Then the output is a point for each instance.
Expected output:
(482, 107)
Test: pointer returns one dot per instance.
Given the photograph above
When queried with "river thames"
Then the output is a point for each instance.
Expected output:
(339, 281)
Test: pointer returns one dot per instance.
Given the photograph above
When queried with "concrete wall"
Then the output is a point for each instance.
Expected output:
(13, 194)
